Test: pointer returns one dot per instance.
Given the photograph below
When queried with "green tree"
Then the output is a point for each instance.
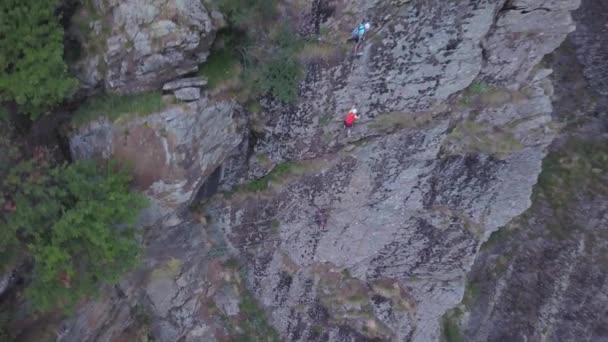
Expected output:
(75, 222)
(32, 70)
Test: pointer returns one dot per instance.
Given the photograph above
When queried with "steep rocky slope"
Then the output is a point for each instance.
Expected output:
(544, 276)
(367, 237)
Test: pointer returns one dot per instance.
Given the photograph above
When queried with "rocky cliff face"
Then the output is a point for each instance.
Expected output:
(171, 153)
(549, 266)
(367, 237)
(137, 45)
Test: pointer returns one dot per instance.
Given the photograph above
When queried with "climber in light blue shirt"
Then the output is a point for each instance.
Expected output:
(358, 35)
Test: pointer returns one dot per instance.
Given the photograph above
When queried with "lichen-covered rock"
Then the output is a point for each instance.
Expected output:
(398, 207)
(172, 152)
(137, 45)
(545, 276)
(188, 94)
(525, 31)
(367, 237)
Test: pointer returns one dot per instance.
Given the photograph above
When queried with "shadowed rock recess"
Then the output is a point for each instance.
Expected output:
(299, 233)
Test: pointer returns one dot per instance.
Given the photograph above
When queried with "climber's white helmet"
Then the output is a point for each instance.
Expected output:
(367, 26)
(354, 110)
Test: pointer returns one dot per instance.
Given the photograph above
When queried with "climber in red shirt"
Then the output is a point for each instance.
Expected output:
(350, 119)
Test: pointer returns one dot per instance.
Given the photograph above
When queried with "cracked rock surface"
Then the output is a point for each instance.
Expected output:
(365, 238)
(137, 45)
(549, 266)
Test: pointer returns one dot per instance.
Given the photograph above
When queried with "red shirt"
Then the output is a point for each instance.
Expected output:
(350, 119)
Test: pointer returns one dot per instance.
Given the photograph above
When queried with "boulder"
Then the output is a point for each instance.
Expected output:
(137, 45)
(172, 152)
(185, 83)
(188, 94)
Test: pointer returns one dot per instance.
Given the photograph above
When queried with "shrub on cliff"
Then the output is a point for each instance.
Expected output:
(246, 14)
(75, 222)
(32, 70)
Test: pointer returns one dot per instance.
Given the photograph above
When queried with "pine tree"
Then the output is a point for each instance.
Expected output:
(32, 70)
(76, 223)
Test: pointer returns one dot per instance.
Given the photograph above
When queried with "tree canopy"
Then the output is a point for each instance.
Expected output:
(33, 72)
(75, 222)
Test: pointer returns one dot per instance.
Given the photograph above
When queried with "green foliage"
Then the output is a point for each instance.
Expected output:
(471, 293)
(481, 137)
(277, 71)
(281, 77)
(256, 326)
(478, 88)
(262, 184)
(499, 236)
(76, 223)
(116, 106)
(246, 14)
(268, 62)
(223, 64)
(451, 331)
(32, 70)
(578, 165)
(578, 169)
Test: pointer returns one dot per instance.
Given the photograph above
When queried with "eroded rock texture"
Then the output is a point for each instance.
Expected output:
(172, 153)
(367, 237)
(544, 277)
(137, 45)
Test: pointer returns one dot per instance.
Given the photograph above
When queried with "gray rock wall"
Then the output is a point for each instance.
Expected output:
(367, 237)
(137, 45)
(171, 152)
(543, 278)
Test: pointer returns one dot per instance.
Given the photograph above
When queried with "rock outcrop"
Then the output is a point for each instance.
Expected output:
(545, 276)
(172, 152)
(137, 45)
(367, 237)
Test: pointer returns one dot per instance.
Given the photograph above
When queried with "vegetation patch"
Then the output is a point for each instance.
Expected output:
(483, 95)
(579, 168)
(222, 65)
(478, 88)
(392, 290)
(398, 120)
(76, 222)
(497, 237)
(170, 269)
(33, 72)
(247, 14)
(278, 173)
(253, 324)
(579, 165)
(280, 77)
(257, 54)
(315, 52)
(451, 328)
(479, 137)
(114, 107)
(471, 293)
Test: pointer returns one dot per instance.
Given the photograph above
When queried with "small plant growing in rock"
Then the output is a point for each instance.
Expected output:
(263, 183)
(163, 132)
(450, 329)
(478, 88)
